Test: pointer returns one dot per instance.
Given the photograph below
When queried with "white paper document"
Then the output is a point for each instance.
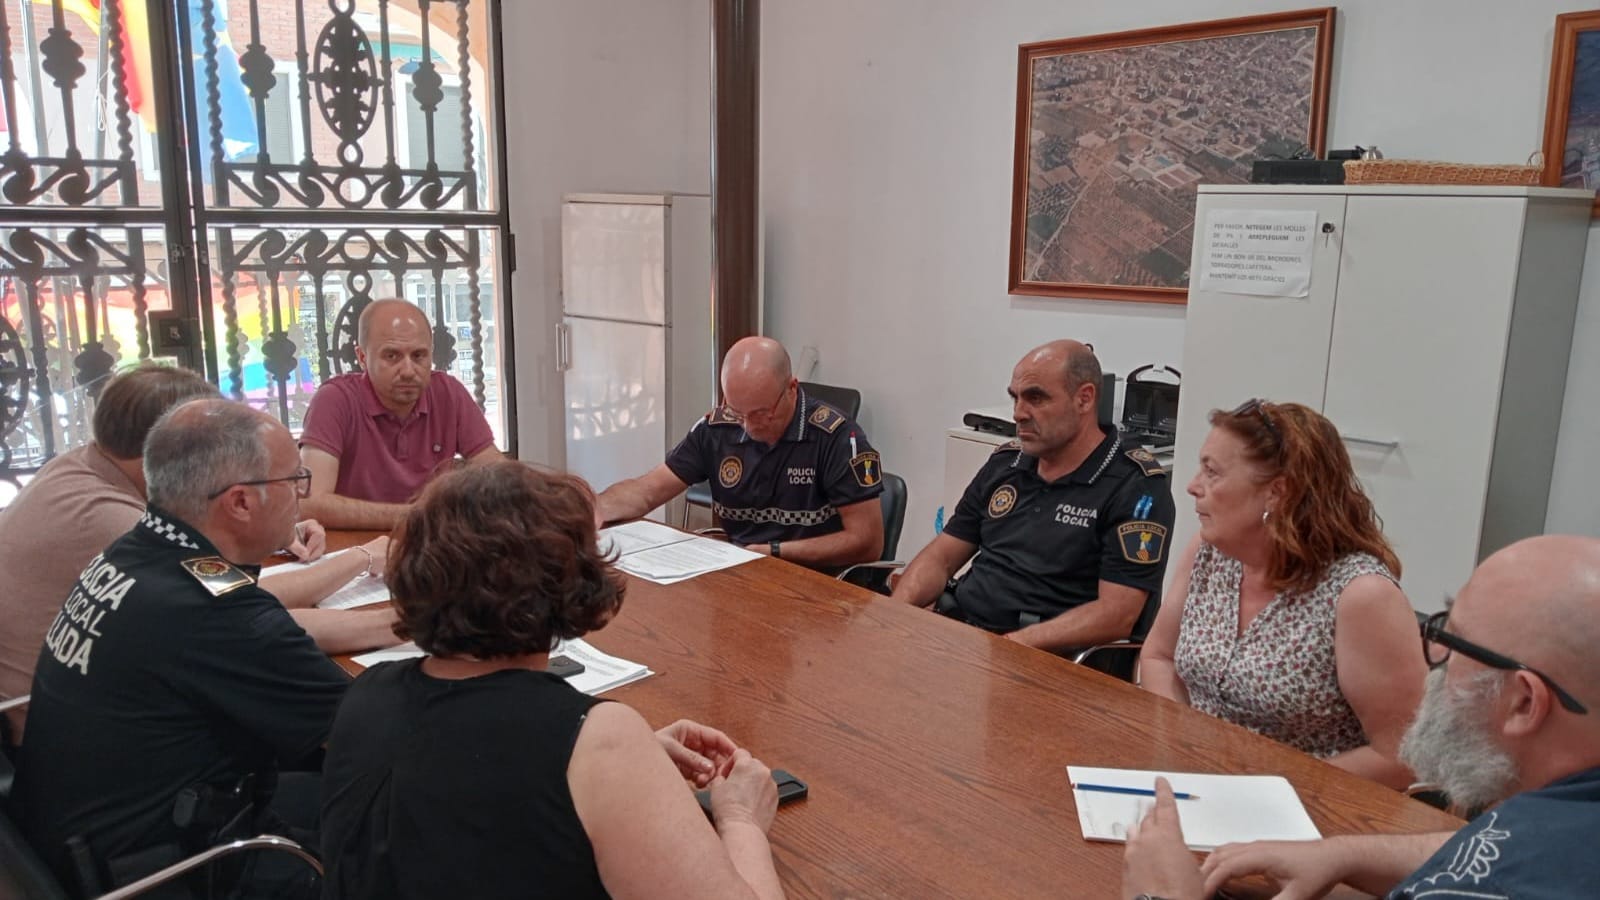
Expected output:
(1266, 252)
(672, 563)
(601, 672)
(358, 591)
(644, 534)
(408, 650)
(1226, 808)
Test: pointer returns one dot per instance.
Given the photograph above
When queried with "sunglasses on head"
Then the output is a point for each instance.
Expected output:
(1258, 407)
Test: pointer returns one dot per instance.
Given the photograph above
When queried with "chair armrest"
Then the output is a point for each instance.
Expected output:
(259, 842)
(1109, 646)
(872, 576)
(887, 565)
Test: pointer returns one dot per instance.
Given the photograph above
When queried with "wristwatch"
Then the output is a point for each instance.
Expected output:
(773, 548)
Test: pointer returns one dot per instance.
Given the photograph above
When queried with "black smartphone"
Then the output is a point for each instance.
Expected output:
(564, 667)
(789, 788)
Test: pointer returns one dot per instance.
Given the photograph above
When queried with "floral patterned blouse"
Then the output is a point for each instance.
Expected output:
(1279, 677)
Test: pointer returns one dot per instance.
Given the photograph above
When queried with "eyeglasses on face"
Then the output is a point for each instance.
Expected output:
(1437, 645)
(301, 479)
(761, 415)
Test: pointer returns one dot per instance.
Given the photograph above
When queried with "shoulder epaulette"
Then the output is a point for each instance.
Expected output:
(1012, 444)
(1145, 460)
(721, 416)
(826, 418)
(217, 575)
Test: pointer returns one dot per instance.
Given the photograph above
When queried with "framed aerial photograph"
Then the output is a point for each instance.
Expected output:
(1115, 131)
(1572, 114)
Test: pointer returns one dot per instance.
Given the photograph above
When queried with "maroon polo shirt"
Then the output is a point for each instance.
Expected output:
(385, 458)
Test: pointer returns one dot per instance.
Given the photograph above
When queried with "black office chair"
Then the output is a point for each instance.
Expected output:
(24, 876)
(874, 576)
(1120, 659)
(846, 399)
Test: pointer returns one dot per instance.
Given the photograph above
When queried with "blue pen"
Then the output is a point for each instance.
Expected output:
(1137, 792)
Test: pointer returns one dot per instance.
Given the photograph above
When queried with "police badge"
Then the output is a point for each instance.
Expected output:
(1002, 500)
(217, 575)
(730, 471)
(1142, 542)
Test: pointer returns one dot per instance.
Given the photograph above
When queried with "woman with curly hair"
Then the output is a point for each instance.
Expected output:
(1288, 616)
(474, 772)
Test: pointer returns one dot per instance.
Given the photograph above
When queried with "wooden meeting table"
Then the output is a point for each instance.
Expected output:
(935, 752)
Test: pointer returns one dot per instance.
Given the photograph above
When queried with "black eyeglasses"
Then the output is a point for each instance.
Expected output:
(301, 479)
(1258, 406)
(1438, 643)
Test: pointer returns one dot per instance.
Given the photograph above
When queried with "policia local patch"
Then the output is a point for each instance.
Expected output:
(1142, 542)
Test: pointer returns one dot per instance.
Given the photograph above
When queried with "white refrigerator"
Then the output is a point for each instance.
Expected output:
(634, 345)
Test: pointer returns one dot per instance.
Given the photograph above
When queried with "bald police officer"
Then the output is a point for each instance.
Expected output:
(791, 476)
(1069, 525)
(172, 689)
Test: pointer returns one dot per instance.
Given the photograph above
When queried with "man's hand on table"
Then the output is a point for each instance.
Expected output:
(1157, 861)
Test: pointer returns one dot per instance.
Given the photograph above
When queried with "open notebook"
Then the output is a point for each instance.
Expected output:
(1227, 808)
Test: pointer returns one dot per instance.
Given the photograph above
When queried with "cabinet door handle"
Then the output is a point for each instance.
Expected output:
(1393, 444)
(563, 347)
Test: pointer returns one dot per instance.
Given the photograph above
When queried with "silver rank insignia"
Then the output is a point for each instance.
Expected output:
(1146, 461)
(217, 575)
(721, 416)
(827, 418)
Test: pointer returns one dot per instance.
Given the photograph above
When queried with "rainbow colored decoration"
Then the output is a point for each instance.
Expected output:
(238, 122)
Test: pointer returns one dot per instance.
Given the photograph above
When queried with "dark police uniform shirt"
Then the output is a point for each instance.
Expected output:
(1044, 547)
(1538, 845)
(790, 490)
(166, 667)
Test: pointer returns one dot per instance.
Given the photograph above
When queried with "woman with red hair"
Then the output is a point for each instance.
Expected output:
(1289, 617)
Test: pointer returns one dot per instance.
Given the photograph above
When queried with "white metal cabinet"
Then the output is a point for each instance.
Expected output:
(1445, 318)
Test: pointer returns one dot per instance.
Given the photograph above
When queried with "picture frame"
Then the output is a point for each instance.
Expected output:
(1114, 131)
(1572, 110)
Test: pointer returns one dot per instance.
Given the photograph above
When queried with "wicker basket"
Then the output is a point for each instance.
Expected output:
(1414, 171)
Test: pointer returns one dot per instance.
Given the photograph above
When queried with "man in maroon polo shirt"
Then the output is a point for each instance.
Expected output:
(373, 438)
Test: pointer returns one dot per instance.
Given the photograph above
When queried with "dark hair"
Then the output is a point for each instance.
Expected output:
(1324, 514)
(500, 560)
(130, 404)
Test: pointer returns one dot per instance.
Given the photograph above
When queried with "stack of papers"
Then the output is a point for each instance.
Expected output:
(1226, 809)
(665, 555)
(358, 591)
(601, 671)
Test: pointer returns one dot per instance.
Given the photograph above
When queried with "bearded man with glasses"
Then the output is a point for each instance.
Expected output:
(1506, 723)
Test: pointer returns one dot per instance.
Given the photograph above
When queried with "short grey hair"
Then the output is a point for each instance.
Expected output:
(201, 447)
(1083, 367)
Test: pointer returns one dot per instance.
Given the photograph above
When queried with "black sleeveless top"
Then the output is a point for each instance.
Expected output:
(439, 788)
